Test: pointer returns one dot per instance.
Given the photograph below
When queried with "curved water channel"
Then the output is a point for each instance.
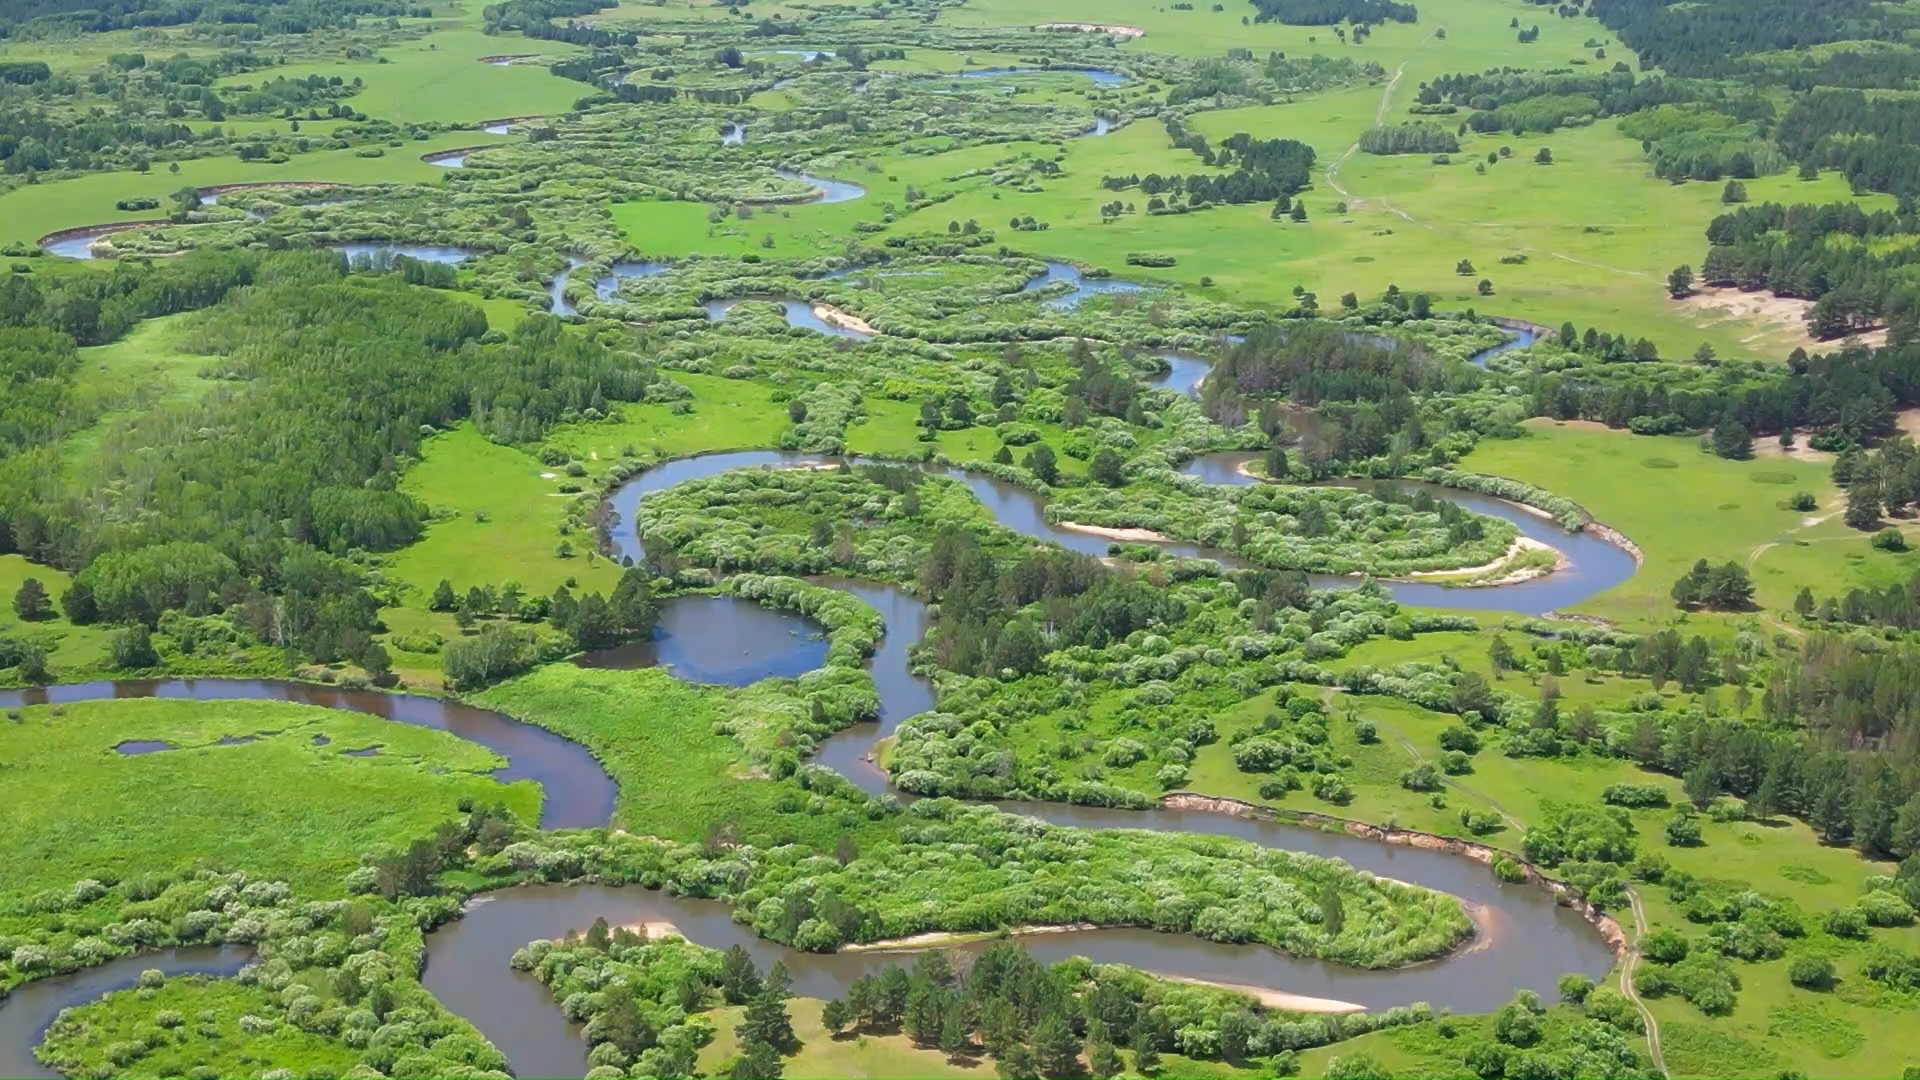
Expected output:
(1526, 940)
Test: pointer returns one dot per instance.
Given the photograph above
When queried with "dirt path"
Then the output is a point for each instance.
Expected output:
(1379, 118)
(1356, 202)
(1626, 982)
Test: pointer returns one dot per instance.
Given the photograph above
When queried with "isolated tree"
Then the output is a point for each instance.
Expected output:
(1485, 287)
(1106, 467)
(1464, 268)
(443, 597)
(1734, 192)
(30, 601)
(1732, 440)
(1042, 463)
(132, 649)
(1680, 281)
(1543, 156)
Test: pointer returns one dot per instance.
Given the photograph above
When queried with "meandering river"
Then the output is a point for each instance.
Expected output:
(1526, 940)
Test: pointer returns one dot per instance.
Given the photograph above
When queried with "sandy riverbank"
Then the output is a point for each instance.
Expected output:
(936, 939)
(833, 316)
(1128, 32)
(1144, 536)
(1521, 545)
(1274, 999)
(655, 929)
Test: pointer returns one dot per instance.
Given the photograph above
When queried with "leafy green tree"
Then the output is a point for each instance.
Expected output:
(1360, 1066)
(131, 649)
(443, 597)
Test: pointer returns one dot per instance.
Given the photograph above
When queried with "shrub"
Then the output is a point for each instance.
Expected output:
(1811, 972)
(1664, 947)
(1890, 539)
(1634, 796)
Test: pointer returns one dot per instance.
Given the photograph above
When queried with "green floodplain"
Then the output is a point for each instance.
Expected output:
(662, 538)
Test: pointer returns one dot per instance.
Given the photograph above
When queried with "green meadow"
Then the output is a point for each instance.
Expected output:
(281, 805)
(1679, 503)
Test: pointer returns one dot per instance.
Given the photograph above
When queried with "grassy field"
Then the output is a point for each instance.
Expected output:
(68, 646)
(1598, 231)
(1679, 503)
(279, 806)
(678, 777)
(30, 212)
(439, 79)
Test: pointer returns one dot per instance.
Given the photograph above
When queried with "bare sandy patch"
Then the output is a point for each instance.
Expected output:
(1147, 536)
(1128, 32)
(833, 316)
(1908, 422)
(1270, 998)
(654, 929)
(937, 938)
(1522, 545)
(1773, 320)
(1768, 446)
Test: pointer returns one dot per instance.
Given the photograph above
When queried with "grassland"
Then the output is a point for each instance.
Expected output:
(279, 806)
(439, 79)
(68, 646)
(215, 1040)
(679, 777)
(30, 212)
(1680, 503)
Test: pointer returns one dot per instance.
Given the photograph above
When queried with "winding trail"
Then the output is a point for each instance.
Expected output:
(1354, 202)
(1628, 962)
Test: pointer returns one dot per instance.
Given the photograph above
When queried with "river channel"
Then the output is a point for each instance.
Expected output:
(1526, 941)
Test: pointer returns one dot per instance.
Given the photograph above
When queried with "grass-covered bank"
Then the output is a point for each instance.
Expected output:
(288, 800)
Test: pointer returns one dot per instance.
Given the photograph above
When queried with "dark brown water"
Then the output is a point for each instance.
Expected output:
(31, 1009)
(1526, 942)
(1596, 564)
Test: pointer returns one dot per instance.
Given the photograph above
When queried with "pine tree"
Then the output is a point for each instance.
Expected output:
(955, 1038)
(757, 1061)
(443, 597)
(1018, 1063)
(1102, 1059)
(925, 1019)
(766, 1019)
(1146, 1055)
(834, 1016)
(1055, 1050)
(739, 979)
(30, 601)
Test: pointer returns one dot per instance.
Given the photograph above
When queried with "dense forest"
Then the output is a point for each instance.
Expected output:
(57, 18)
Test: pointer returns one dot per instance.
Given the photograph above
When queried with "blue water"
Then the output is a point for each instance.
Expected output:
(1100, 76)
(831, 191)
(378, 251)
(799, 313)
